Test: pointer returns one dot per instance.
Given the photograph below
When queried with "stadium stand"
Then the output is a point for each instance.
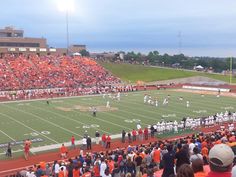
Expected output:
(34, 72)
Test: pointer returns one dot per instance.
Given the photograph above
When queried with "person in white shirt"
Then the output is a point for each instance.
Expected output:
(196, 155)
(191, 147)
(56, 168)
(30, 173)
(84, 143)
(103, 167)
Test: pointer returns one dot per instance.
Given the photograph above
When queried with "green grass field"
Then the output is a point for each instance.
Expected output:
(57, 122)
(133, 73)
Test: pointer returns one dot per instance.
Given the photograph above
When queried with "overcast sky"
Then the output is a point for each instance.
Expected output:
(208, 27)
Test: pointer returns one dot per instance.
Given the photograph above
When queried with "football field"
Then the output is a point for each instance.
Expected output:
(57, 122)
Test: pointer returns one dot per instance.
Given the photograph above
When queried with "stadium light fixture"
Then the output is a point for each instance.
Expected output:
(66, 6)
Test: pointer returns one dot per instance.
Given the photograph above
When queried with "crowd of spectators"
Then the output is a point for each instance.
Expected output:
(35, 72)
(183, 157)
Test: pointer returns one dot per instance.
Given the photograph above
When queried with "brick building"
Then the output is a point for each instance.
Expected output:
(12, 41)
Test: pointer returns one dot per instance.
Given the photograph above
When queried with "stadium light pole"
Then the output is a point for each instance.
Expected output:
(67, 31)
(231, 70)
(66, 6)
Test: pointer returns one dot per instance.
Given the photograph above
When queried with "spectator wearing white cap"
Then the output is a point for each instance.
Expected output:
(221, 159)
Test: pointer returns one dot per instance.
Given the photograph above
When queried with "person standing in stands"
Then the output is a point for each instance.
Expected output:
(87, 173)
(221, 159)
(168, 162)
(182, 156)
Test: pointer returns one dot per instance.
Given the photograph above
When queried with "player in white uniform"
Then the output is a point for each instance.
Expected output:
(156, 102)
(108, 104)
(138, 126)
(118, 96)
(145, 99)
(175, 128)
(187, 104)
(165, 102)
(104, 95)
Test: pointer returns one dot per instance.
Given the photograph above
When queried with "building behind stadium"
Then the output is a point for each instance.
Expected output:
(12, 41)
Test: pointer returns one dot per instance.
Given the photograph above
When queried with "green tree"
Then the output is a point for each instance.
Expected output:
(84, 53)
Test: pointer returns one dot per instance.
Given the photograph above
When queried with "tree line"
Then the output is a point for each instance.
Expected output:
(177, 61)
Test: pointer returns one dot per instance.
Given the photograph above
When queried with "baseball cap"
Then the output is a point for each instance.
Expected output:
(221, 155)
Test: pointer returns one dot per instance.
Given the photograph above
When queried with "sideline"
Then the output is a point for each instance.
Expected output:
(57, 146)
(68, 144)
(54, 98)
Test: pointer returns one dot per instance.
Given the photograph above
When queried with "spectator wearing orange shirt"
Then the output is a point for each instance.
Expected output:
(204, 152)
(63, 152)
(197, 166)
(96, 170)
(87, 173)
(156, 156)
(108, 140)
(76, 172)
(62, 172)
(110, 164)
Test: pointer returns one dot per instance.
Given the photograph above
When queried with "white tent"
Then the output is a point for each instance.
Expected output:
(76, 54)
(199, 67)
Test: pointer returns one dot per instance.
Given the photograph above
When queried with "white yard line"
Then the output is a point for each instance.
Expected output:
(10, 117)
(12, 140)
(7, 135)
(56, 125)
